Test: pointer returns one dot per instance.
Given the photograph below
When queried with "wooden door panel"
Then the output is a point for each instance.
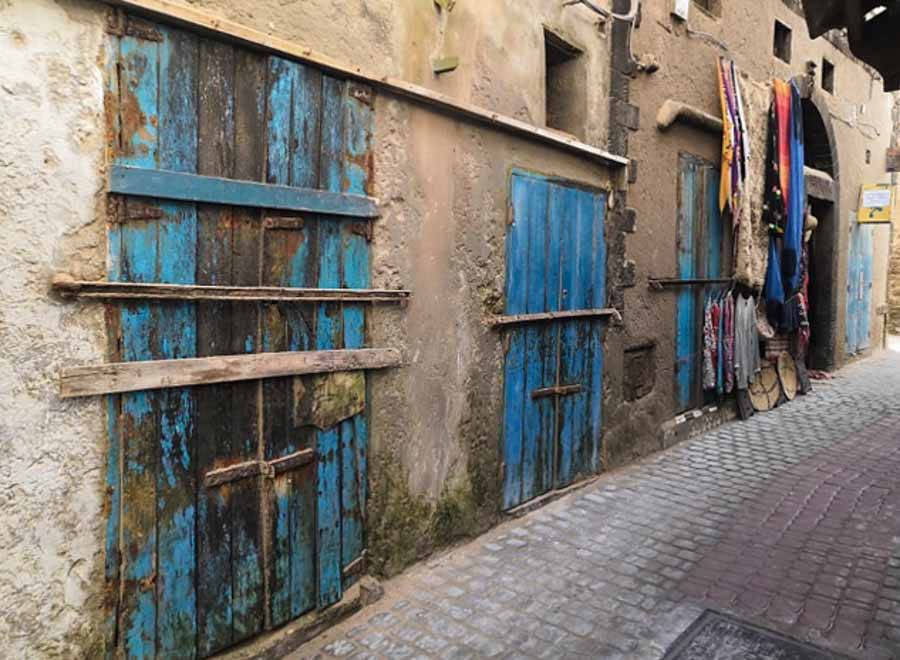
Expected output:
(187, 104)
(555, 261)
(686, 337)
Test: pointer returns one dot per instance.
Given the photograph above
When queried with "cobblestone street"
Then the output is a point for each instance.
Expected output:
(790, 520)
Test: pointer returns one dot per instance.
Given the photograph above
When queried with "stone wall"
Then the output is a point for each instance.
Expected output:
(894, 285)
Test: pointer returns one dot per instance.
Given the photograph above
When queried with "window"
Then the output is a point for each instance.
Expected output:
(827, 76)
(783, 36)
(711, 7)
(565, 85)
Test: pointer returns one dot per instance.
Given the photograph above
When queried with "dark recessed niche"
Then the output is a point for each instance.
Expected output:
(640, 370)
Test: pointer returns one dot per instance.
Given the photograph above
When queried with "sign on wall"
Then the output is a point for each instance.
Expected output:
(876, 203)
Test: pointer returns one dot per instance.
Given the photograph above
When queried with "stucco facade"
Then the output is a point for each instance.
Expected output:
(443, 182)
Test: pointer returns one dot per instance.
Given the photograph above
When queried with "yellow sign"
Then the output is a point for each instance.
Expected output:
(876, 203)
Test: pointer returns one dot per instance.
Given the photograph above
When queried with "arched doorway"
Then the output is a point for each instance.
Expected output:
(822, 179)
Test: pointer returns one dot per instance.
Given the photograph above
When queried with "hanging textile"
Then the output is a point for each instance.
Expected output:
(793, 234)
(746, 342)
(720, 347)
(751, 238)
(729, 343)
(734, 142)
(709, 347)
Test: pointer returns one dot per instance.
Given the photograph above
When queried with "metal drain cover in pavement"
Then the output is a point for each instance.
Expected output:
(715, 636)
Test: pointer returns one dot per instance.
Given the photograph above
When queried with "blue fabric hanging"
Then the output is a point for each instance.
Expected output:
(774, 288)
(792, 251)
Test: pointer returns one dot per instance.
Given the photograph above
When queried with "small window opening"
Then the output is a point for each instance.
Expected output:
(711, 7)
(783, 36)
(827, 76)
(565, 85)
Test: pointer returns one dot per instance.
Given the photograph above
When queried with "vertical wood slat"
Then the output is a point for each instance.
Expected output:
(294, 98)
(685, 367)
(114, 402)
(576, 432)
(137, 263)
(514, 382)
(215, 440)
(329, 335)
(246, 242)
(536, 337)
(175, 337)
(359, 125)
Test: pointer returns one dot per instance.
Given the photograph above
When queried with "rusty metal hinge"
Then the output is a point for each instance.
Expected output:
(284, 222)
(121, 24)
(361, 93)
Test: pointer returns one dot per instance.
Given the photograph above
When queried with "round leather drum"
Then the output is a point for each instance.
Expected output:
(765, 389)
(787, 374)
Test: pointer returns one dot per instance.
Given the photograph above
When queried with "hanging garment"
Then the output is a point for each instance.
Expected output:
(709, 347)
(796, 218)
(783, 116)
(746, 342)
(719, 317)
(725, 181)
(751, 236)
(729, 344)
(774, 289)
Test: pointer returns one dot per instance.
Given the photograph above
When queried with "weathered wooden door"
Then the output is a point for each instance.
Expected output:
(553, 396)
(232, 508)
(859, 288)
(701, 253)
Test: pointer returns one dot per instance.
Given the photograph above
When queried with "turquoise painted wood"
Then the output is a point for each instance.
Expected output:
(702, 241)
(208, 137)
(216, 190)
(687, 338)
(556, 260)
(859, 288)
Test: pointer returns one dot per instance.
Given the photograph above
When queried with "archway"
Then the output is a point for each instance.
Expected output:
(823, 192)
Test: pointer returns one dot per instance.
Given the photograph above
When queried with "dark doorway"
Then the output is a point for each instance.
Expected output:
(823, 245)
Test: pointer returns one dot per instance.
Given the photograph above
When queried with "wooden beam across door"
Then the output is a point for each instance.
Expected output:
(121, 377)
(184, 187)
(68, 286)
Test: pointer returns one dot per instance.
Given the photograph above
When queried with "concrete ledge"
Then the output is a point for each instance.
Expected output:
(675, 111)
(696, 422)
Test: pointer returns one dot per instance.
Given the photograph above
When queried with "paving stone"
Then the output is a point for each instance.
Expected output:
(789, 518)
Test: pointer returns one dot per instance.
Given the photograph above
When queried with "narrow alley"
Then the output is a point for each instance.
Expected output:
(790, 520)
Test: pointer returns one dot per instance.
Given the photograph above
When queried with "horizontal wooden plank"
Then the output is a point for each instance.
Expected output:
(158, 374)
(183, 187)
(559, 390)
(518, 319)
(664, 282)
(68, 286)
(248, 469)
(220, 27)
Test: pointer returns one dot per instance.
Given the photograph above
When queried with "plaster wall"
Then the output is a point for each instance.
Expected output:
(52, 474)
(859, 112)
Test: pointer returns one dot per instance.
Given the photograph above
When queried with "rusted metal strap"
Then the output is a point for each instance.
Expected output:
(559, 390)
(518, 319)
(258, 468)
(67, 286)
(659, 283)
(355, 567)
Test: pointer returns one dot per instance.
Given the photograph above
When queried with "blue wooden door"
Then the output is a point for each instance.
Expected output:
(701, 248)
(556, 261)
(859, 288)
(195, 567)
